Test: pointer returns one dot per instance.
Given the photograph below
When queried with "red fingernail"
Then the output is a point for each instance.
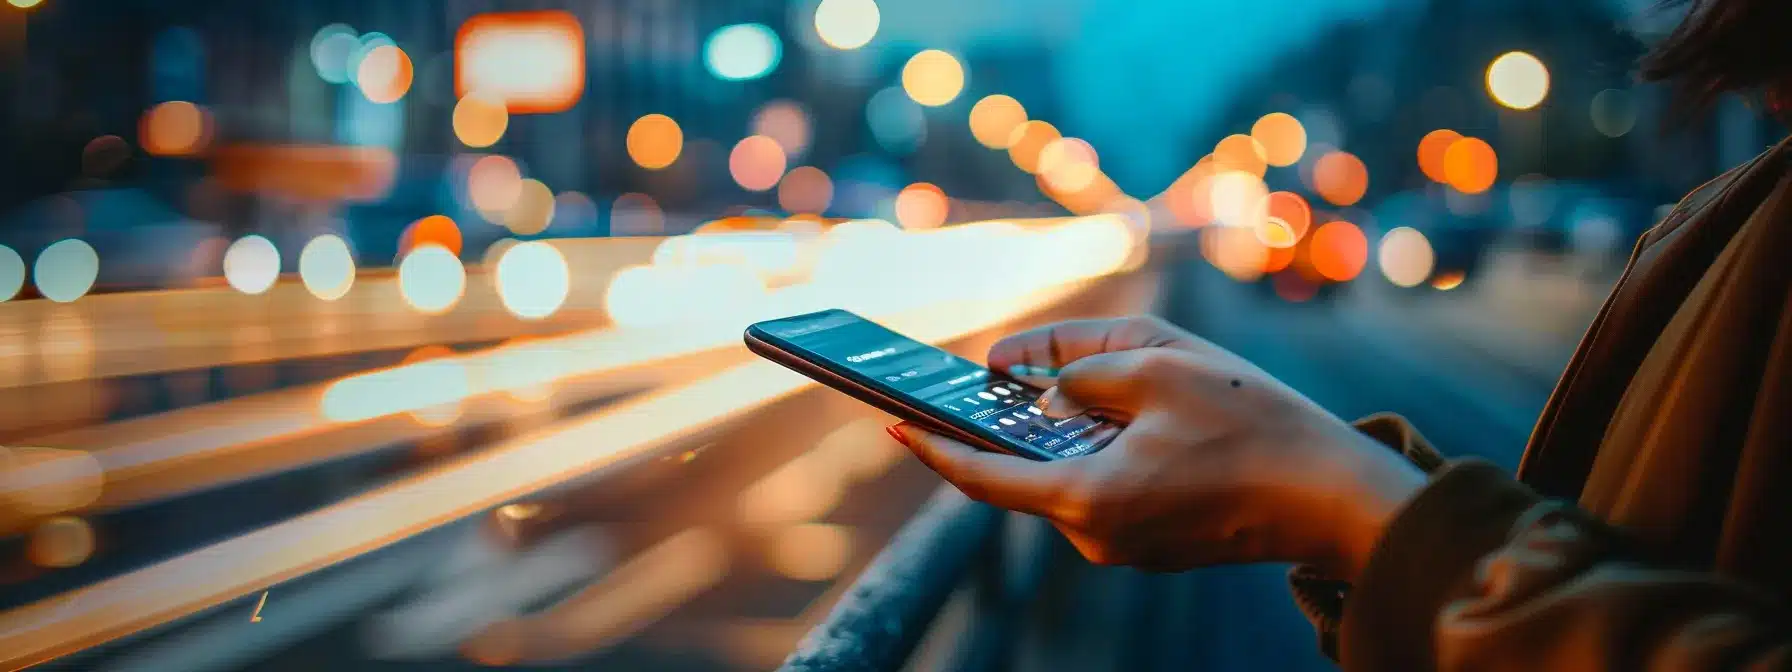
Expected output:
(896, 434)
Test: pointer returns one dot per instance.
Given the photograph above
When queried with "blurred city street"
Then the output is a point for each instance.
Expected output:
(379, 335)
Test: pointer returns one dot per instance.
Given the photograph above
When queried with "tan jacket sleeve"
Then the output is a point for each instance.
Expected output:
(1478, 572)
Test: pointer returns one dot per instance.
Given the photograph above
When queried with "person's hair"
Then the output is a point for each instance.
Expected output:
(1725, 46)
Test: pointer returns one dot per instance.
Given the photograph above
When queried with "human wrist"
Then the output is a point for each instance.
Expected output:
(1381, 482)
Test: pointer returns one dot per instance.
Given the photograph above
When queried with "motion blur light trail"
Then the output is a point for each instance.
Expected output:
(170, 453)
(562, 451)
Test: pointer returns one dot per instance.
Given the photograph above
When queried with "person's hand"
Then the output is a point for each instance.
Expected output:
(1219, 463)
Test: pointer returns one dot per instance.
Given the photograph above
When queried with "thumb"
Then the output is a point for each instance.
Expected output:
(1006, 481)
(1124, 383)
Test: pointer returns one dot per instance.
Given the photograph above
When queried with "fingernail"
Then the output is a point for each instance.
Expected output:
(1056, 406)
(896, 433)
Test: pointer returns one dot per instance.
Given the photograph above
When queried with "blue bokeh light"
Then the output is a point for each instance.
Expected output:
(742, 51)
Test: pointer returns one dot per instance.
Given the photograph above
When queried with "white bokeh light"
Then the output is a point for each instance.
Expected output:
(533, 280)
(431, 279)
(327, 267)
(66, 270)
(12, 273)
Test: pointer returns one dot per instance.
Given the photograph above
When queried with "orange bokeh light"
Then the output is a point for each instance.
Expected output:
(175, 128)
(994, 118)
(1282, 137)
(756, 163)
(431, 230)
(1190, 195)
(1338, 250)
(533, 61)
(384, 74)
(921, 206)
(1340, 178)
(1068, 164)
(1293, 211)
(1278, 259)
(1471, 166)
(480, 120)
(1027, 141)
(1235, 251)
(1431, 153)
(1241, 153)
(805, 189)
(655, 141)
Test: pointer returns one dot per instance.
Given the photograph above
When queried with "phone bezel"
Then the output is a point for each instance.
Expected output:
(879, 395)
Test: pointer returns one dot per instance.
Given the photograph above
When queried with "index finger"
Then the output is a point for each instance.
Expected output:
(1006, 481)
(1043, 350)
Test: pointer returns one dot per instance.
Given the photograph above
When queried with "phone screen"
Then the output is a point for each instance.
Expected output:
(946, 386)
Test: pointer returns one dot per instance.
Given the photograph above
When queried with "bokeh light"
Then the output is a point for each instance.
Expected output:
(1338, 251)
(1027, 141)
(12, 273)
(493, 184)
(327, 267)
(1237, 198)
(496, 250)
(1518, 80)
(786, 122)
(636, 215)
(331, 48)
(1282, 138)
(1471, 166)
(480, 120)
(104, 155)
(921, 206)
(994, 118)
(251, 264)
(1448, 280)
(175, 128)
(431, 279)
(1241, 153)
(805, 189)
(1431, 153)
(1068, 164)
(756, 163)
(431, 230)
(1340, 178)
(1406, 257)
(897, 123)
(933, 78)
(847, 24)
(533, 61)
(533, 280)
(1234, 251)
(742, 51)
(533, 210)
(60, 542)
(370, 42)
(1613, 112)
(575, 212)
(1532, 200)
(811, 551)
(1275, 233)
(1293, 211)
(384, 74)
(66, 270)
(655, 141)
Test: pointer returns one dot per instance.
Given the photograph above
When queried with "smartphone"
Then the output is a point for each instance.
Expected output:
(925, 385)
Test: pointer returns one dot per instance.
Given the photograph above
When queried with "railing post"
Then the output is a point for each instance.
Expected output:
(876, 626)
